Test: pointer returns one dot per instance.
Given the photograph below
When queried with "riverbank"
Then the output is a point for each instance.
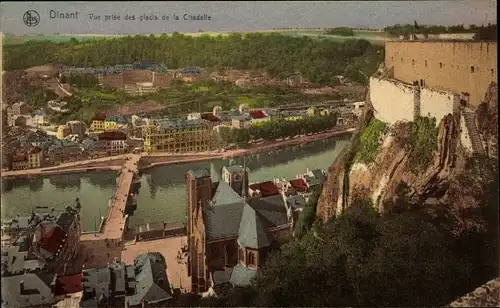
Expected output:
(161, 159)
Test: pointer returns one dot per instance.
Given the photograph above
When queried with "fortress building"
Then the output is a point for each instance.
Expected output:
(467, 67)
(435, 79)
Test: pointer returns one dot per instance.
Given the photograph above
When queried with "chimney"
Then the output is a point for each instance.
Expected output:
(21, 287)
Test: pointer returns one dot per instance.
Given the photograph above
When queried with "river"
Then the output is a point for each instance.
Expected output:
(162, 195)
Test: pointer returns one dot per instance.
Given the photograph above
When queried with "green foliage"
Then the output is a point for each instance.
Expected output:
(283, 128)
(308, 215)
(363, 259)
(342, 31)
(422, 142)
(82, 80)
(318, 61)
(369, 141)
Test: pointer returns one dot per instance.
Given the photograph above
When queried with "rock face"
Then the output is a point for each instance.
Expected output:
(487, 295)
(384, 180)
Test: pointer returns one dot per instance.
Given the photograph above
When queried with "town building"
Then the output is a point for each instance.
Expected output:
(64, 151)
(114, 122)
(97, 124)
(112, 142)
(258, 117)
(62, 131)
(178, 136)
(43, 241)
(19, 108)
(35, 157)
(38, 118)
(142, 284)
(229, 234)
(40, 252)
(241, 121)
(76, 128)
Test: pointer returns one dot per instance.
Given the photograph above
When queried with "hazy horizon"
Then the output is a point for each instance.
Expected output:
(238, 16)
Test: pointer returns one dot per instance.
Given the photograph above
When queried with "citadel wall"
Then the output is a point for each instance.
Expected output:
(451, 66)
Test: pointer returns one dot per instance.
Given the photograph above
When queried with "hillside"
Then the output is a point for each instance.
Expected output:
(279, 55)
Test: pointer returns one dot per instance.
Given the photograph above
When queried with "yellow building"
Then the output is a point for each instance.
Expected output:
(35, 158)
(312, 111)
(178, 136)
(114, 122)
(62, 131)
(97, 124)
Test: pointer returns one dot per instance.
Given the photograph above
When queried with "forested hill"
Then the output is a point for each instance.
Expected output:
(318, 60)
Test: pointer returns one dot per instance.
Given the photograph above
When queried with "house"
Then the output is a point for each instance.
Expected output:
(241, 121)
(97, 124)
(56, 237)
(19, 160)
(263, 189)
(230, 235)
(35, 157)
(32, 263)
(76, 128)
(293, 115)
(39, 118)
(64, 151)
(113, 142)
(358, 108)
(28, 290)
(20, 108)
(313, 178)
(62, 131)
(114, 122)
(142, 284)
(258, 116)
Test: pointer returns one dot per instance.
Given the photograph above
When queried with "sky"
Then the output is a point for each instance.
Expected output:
(237, 16)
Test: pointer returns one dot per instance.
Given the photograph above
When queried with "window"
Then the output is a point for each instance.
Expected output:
(412, 61)
(402, 60)
(251, 258)
(440, 65)
(492, 72)
(425, 63)
(240, 255)
(472, 69)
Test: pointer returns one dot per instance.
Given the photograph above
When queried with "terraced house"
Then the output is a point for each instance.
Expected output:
(230, 235)
(178, 136)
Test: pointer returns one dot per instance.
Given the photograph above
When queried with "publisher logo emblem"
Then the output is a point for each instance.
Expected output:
(31, 18)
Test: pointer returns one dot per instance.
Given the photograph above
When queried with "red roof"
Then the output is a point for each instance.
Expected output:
(299, 184)
(69, 284)
(258, 114)
(99, 117)
(112, 135)
(209, 117)
(52, 238)
(267, 188)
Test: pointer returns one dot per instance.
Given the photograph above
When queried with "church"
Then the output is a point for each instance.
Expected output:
(229, 232)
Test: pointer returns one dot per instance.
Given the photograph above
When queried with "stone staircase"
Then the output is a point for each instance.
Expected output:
(470, 123)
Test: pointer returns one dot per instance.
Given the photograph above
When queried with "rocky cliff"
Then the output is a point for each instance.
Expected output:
(450, 177)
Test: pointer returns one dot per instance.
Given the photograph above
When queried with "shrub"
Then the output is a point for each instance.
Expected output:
(422, 142)
(369, 141)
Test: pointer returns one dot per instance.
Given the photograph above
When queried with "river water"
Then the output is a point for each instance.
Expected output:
(162, 195)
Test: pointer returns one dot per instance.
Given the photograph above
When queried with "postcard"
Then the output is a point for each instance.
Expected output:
(249, 153)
